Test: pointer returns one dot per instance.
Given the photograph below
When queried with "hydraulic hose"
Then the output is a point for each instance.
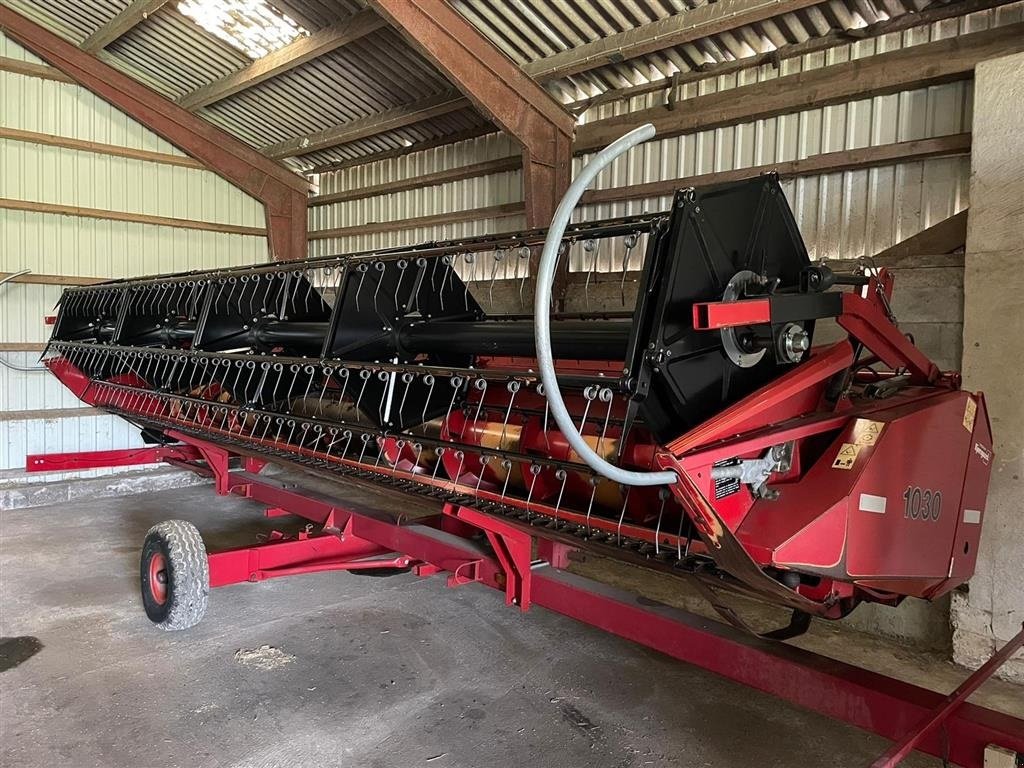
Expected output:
(542, 315)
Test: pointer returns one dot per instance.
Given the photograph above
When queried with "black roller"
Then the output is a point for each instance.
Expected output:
(570, 339)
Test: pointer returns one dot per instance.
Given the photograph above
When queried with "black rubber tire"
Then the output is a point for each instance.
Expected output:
(186, 575)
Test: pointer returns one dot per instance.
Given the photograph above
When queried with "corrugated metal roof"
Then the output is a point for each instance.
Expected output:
(83, 18)
(358, 80)
(528, 32)
(174, 50)
(382, 71)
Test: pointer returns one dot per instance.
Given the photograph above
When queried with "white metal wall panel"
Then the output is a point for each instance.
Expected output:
(466, 194)
(70, 245)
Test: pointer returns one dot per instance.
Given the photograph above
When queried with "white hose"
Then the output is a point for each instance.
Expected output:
(542, 315)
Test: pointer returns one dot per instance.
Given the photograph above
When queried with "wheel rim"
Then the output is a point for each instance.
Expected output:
(158, 577)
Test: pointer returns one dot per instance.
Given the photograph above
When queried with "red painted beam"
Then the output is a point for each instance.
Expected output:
(125, 457)
(282, 192)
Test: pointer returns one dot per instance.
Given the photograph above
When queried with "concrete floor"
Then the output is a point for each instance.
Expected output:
(386, 672)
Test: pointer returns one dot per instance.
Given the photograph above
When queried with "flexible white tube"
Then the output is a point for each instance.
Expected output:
(542, 315)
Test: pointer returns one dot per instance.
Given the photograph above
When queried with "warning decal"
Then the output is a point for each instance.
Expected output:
(847, 456)
(970, 411)
(867, 432)
(726, 486)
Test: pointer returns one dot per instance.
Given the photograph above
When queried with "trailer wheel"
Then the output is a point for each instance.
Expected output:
(175, 575)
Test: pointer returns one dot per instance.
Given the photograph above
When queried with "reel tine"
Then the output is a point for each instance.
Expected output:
(605, 396)
(524, 254)
(401, 264)
(594, 482)
(499, 254)
(380, 266)
(429, 380)
(663, 495)
(590, 395)
(547, 411)
(513, 388)
(622, 515)
(362, 270)
(470, 259)
(456, 382)
(560, 474)
(590, 245)
(630, 242)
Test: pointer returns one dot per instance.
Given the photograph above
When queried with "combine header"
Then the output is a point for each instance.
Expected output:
(702, 433)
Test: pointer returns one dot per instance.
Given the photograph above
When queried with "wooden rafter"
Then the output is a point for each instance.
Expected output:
(501, 211)
(679, 28)
(419, 182)
(499, 89)
(114, 150)
(931, 15)
(828, 162)
(943, 237)
(372, 125)
(919, 66)
(419, 146)
(134, 14)
(294, 55)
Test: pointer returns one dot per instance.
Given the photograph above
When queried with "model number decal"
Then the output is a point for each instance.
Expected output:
(921, 503)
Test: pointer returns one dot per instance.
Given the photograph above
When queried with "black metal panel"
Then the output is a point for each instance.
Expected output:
(682, 376)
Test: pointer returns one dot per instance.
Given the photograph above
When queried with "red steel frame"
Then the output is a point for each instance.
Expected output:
(352, 536)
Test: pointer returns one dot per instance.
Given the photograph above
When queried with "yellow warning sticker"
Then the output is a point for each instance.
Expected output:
(867, 432)
(847, 456)
(970, 411)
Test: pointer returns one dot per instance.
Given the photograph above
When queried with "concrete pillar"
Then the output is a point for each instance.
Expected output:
(993, 609)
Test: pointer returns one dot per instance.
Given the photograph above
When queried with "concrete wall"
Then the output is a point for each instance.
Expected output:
(993, 609)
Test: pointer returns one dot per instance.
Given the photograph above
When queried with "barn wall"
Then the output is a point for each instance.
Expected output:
(37, 414)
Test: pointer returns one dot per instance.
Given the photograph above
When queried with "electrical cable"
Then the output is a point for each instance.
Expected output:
(5, 363)
(542, 315)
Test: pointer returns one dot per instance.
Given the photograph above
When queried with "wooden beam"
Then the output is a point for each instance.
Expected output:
(693, 24)
(133, 14)
(943, 237)
(50, 413)
(22, 346)
(282, 192)
(930, 15)
(418, 182)
(419, 146)
(829, 162)
(500, 90)
(134, 218)
(34, 278)
(916, 67)
(389, 120)
(294, 55)
(373, 228)
(65, 142)
(30, 69)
